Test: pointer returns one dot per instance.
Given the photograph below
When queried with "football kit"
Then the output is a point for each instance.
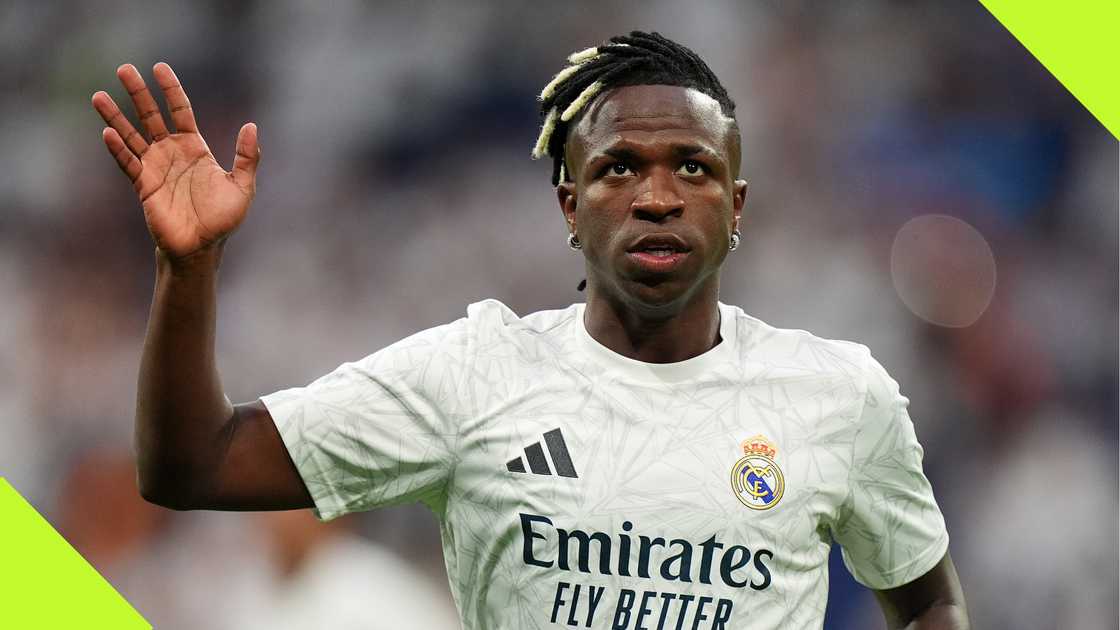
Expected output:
(576, 487)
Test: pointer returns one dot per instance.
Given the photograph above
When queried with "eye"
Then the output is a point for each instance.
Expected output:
(618, 168)
(691, 167)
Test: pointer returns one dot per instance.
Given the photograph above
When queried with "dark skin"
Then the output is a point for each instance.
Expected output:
(653, 159)
(196, 450)
(663, 159)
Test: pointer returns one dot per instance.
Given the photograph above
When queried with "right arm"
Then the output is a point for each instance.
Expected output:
(194, 449)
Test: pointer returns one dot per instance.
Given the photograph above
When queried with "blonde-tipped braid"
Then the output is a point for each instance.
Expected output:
(587, 54)
(586, 95)
(577, 60)
(557, 80)
(541, 148)
(635, 59)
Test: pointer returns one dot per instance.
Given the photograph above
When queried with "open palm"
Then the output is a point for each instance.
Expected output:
(189, 200)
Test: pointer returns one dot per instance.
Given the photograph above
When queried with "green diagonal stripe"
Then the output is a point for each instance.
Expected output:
(1077, 41)
(45, 584)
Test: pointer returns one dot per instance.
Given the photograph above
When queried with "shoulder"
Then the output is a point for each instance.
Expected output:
(491, 316)
(852, 365)
(489, 328)
(797, 349)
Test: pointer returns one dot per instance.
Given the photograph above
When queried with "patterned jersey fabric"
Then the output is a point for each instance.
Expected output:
(579, 488)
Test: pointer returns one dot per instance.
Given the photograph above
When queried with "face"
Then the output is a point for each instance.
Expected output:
(654, 197)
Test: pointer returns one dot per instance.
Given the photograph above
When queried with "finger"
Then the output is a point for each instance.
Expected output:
(128, 162)
(115, 118)
(247, 156)
(146, 107)
(181, 113)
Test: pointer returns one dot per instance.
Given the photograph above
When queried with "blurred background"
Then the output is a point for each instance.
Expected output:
(918, 183)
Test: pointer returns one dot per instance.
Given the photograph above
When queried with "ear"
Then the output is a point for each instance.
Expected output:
(738, 202)
(566, 195)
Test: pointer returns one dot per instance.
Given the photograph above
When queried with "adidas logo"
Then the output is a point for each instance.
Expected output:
(538, 463)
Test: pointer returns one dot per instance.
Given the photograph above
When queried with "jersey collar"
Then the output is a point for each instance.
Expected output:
(661, 372)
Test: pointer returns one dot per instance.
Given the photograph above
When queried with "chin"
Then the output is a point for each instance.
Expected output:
(666, 296)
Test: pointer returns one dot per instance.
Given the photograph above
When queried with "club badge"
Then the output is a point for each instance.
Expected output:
(756, 478)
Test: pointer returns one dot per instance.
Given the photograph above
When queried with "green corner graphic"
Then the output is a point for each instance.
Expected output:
(1077, 42)
(45, 583)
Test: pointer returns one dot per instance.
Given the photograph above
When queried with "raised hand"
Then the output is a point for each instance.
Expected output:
(190, 202)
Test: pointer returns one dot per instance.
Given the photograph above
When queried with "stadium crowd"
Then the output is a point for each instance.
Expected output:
(396, 187)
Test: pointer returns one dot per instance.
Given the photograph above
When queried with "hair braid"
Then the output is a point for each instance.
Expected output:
(636, 59)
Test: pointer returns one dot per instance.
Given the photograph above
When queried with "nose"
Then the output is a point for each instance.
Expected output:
(657, 198)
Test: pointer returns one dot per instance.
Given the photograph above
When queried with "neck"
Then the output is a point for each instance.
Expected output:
(664, 337)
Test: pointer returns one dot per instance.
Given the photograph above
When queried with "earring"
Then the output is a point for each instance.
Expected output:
(735, 237)
(573, 242)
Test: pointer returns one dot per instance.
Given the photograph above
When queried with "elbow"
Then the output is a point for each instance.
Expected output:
(159, 490)
(942, 615)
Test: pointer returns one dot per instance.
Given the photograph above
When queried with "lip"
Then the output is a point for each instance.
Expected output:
(661, 240)
(657, 264)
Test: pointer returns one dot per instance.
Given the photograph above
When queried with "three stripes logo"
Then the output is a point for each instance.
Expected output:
(538, 463)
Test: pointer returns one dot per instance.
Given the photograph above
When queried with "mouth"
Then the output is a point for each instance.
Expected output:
(664, 244)
(658, 253)
(657, 260)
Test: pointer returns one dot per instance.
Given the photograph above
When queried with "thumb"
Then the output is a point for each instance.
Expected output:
(247, 156)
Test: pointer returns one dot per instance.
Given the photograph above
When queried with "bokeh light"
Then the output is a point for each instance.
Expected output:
(943, 270)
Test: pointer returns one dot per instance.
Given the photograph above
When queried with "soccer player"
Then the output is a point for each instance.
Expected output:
(652, 458)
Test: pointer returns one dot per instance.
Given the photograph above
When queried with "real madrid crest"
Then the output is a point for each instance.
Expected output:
(756, 478)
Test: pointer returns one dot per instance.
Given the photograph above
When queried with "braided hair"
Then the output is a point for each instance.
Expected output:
(635, 59)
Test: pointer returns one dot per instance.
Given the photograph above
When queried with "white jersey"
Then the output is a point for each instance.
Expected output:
(577, 487)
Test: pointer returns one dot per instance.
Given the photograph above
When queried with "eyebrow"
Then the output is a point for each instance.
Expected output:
(627, 154)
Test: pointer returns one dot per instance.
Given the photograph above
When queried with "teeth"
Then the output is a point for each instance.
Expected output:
(660, 252)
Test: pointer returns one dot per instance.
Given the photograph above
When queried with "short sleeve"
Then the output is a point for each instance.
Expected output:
(381, 430)
(890, 528)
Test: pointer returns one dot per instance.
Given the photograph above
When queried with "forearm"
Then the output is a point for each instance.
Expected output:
(180, 405)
